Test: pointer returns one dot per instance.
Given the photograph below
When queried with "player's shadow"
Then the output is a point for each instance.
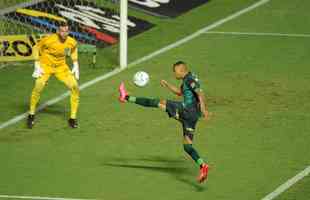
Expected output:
(51, 110)
(167, 166)
(58, 111)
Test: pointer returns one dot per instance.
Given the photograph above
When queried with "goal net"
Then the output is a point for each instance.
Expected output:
(100, 26)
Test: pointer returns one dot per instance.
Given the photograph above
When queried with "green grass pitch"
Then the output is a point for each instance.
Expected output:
(257, 138)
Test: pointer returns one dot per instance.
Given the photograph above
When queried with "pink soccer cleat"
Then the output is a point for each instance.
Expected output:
(122, 93)
(203, 173)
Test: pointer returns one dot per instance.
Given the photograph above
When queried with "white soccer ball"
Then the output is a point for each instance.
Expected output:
(141, 78)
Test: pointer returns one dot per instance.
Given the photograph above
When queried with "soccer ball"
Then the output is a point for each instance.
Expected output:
(141, 78)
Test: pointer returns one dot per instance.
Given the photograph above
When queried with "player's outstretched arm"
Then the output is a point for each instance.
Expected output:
(203, 104)
(172, 88)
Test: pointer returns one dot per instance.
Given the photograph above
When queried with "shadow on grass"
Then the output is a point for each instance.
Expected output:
(58, 110)
(23, 133)
(55, 111)
(174, 169)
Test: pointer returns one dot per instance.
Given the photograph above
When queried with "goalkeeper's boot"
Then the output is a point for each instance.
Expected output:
(73, 123)
(122, 93)
(30, 121)
(203, 173)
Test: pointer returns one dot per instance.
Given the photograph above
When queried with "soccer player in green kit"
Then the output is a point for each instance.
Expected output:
(187, 111)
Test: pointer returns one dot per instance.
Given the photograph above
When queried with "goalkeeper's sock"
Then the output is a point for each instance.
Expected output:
(190, 150)
(146, 102)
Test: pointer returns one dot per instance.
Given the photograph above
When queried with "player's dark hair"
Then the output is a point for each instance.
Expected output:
(178, 63)
(62, 24)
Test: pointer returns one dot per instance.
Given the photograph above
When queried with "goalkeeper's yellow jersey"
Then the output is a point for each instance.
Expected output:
(52, 52)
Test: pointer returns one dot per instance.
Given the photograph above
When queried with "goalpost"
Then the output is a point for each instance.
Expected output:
(123, 33)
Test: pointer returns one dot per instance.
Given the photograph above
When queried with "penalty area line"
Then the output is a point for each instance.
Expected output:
(289, 183)
(259, 34)
(38, 197)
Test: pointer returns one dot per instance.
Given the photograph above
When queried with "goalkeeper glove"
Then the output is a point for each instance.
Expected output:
(75, 70)
(38, 71)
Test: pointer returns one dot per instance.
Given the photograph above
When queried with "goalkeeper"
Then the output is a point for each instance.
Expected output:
(50, 59)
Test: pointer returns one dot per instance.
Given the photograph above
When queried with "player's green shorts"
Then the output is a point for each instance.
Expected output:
(187, 116)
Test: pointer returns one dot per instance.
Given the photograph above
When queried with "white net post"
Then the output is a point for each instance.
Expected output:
(123, 33)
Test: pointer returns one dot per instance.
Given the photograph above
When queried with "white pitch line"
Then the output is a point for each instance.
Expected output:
(38, 197)
(145, 58)
(287, 184)
(259, 34)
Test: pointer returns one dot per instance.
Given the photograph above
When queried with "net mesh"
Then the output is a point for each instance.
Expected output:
(20, 17)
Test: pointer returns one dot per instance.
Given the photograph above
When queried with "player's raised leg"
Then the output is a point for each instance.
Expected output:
(142, 101)
(192, 152)
(68, 79)
(35, 97)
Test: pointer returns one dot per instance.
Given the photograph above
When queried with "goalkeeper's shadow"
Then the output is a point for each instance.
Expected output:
(55, 110)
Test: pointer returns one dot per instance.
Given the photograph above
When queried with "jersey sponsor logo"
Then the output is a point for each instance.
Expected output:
(89, 23)
(17, 47)
(166, 8)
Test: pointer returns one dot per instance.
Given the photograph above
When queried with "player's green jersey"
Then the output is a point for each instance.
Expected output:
(189, 88)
